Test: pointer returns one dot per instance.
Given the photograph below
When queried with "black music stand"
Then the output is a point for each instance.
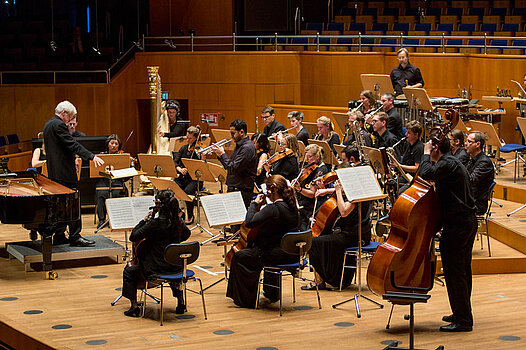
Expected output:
(360, 185)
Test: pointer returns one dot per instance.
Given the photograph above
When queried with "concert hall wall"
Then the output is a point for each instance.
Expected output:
(239, 84)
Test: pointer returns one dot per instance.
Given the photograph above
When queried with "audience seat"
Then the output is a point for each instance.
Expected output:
(389, 20)
(454, 45)
(461, 4)
(314, 26)
(380, 27)
(390, 12)
(424, 27)
(510, 27)
(401, 27)
(496, 46)
(342, 44)
(445, 27)
(431, 46)
(387, 45)
(360, 27)
(454, 11)
(343, 19)
(488, 28)
(339, 27)
(467, 27)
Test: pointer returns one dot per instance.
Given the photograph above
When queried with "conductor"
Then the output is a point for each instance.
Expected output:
(61, 151)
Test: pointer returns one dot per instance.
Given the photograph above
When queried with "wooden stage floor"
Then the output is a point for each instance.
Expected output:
(74, 310)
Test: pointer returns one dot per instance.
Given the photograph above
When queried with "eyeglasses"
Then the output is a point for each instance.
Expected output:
(265, 116)
(282, 143)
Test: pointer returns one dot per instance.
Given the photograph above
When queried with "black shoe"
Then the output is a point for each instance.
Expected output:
(312, 286)
(180, 309)
(190, 221)
(449, 318)
(81, 242)
(33, 235)
(455, 327)
(60, 239)
(133, 312)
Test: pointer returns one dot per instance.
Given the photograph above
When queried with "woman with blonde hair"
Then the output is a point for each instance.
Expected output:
(326, 132)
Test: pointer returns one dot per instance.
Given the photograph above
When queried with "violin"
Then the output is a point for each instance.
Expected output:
(278, 156)
(306, 173)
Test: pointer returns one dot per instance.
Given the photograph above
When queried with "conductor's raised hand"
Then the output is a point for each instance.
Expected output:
(98, 161)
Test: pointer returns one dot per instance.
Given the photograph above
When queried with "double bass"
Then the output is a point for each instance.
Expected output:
(415, 219)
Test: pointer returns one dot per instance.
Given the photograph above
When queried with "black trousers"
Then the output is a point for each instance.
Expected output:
(245, 271)
(75, 226)
(133, 279)
(456, 245)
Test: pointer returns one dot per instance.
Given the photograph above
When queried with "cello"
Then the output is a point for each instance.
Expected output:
(415, 219)
(328, 212)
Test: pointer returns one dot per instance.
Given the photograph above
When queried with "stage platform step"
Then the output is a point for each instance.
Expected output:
(28, 252)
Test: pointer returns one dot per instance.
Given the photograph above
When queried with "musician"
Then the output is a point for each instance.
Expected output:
(39, 158)
(161, 226)
(262, 145)
(326, 132)
(296, 121)
(184, 180)
(456, 141)
(413, 151)
(357, 116)
(368, 102)
(102, 190)
(481, 170)
(272, 221)
(72, 127)
(242, 165)
(459, 226)
(177, 128)
(326, 253)
(395, 120)
(405, 74)
(288, 166)
(272, 126)
(304, 187)
(61, 151)
(382, 136)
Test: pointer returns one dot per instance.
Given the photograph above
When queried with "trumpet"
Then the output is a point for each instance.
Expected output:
(280, 132)
(208, 149)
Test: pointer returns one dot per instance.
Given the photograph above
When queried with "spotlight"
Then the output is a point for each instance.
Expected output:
(170, 43)
(53, 45)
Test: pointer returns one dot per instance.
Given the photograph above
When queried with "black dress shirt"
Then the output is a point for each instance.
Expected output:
(387, 139)
(273, 127)
(61, 149)
(367, 140)
(452, 185)
(481, 176)
(242, 165)
(176, 129)
(401, 77)
(287, 167)
(78, 134)
(394, 125)
(462, 155)
(413, 153)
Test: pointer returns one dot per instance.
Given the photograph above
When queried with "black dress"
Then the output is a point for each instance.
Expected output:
(158, 233)
(263, 175)
(326, 253)
(186, 183)
(272, 222)
(287, 167)
(306, 202)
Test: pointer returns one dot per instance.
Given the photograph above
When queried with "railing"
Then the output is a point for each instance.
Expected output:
(259, 43)
(358, 41)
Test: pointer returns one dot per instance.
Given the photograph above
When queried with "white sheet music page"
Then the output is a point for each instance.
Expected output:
(359, 183)
(224, 209)
(127, 172)
(126, 212)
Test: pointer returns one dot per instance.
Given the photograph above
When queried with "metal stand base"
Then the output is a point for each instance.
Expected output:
(104, 224)
(157, 300)
(516, 210)
(355, 298)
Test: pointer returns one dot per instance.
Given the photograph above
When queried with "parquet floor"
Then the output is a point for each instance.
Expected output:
(78, 302)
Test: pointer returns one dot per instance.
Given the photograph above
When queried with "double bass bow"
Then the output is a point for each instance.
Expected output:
(415, 219)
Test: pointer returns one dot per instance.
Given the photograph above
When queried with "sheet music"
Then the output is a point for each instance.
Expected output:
(121, 173)
(126, 212)
(359, 183)
(224, 209)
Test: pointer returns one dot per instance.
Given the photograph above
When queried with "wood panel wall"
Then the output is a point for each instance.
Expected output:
(239, 84)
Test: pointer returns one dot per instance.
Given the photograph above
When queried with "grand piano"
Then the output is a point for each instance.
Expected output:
(39, 204)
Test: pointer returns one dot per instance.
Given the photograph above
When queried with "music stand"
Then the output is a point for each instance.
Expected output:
(312, 128)
(176, 143)
(219, 173)
(301, 147)
(417, 98)
(342, 121)
(222, 210)
(360, 185)
(328, 155)
(164, 184)
(376, 159)
(198, 170)
(273, 146)
(158, 165)
(339, 148)
(111, 162)
(379, 83)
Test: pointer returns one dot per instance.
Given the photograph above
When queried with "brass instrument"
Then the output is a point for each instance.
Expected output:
(281, 132)
(370, 114)
(208, 149)
(356, 108)
(360, 142)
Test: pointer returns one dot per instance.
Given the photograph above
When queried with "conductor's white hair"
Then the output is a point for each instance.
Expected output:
(66, 106)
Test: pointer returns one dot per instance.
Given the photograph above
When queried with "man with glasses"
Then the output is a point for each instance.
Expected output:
(382, 136)
(272, 126)
(480, 169)
(395, 120)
